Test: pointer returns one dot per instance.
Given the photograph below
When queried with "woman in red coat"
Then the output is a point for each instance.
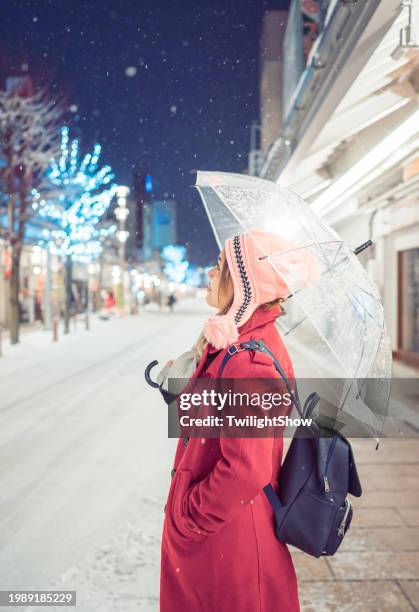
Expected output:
(219, 550)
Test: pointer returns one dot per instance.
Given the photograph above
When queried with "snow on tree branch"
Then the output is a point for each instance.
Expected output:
(28, 131)
(29, 138)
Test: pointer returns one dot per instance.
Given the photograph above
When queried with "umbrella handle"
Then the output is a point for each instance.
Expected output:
(147, 374)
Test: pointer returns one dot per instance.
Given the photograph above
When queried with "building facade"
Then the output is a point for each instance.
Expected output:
(159, 226)
(348, 140)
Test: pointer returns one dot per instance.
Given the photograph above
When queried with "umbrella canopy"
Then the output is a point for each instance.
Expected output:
(334, 326)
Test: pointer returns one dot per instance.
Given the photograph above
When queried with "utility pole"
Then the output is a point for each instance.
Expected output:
(121, 214)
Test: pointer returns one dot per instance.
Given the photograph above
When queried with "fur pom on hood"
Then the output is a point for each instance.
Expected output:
(221, 330)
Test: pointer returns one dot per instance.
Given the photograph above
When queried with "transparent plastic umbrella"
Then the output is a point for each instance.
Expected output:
(334, 327)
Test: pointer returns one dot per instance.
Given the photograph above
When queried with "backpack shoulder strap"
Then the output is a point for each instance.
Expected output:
(259, 345)
(311, 402)
(232, 350)
(249, 345)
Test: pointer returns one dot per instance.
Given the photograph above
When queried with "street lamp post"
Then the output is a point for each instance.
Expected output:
(121, 214)
(47, 291)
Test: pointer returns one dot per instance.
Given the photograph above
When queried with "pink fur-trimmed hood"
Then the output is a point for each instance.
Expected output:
(263, 267)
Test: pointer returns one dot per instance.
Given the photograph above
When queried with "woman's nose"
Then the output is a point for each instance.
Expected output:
(211, 272)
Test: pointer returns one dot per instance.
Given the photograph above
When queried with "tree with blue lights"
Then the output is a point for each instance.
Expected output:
(73, 205)
(175, 265)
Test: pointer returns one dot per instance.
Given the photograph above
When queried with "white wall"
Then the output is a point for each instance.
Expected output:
(355, 231)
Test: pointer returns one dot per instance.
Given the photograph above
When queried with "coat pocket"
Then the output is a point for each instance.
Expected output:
(182, 522)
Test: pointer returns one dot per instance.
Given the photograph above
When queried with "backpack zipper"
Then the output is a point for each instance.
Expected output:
(341, 529)
(326, 484)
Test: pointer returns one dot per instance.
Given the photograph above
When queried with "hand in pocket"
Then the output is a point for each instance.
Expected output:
(183, 524)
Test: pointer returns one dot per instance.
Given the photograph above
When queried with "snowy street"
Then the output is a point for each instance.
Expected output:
(85, 459)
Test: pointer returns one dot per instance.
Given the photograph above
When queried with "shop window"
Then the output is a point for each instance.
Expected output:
(408, 306)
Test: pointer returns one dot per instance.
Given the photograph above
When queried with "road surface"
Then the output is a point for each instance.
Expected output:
(85, 460)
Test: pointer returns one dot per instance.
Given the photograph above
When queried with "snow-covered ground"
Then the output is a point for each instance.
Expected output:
(85, 460)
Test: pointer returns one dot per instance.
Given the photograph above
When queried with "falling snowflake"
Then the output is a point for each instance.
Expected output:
(173, 108)
(74, 108)
(130, 71)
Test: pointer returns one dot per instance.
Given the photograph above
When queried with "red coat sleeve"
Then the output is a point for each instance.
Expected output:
(244, 468)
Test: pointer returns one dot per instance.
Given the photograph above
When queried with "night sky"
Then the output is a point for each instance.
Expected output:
(169, 87)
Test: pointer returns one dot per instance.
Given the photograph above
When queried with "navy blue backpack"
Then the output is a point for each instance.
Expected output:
(312, 510)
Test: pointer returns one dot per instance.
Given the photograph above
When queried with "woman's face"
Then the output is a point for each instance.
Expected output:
(216, 296)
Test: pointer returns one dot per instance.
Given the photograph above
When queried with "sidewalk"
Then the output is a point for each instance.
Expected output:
(23, 329)
(377, 565)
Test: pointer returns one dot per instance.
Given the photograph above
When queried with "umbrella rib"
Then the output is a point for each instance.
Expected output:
(208, 215)
(296, 325)
(320, 332)
(303, 246)
(337, 253)
(360, 303)
(309, 221)
(367, 292)
(352, 298)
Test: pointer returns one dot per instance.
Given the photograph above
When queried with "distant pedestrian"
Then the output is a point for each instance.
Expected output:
(171, 301)
(110, 302)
